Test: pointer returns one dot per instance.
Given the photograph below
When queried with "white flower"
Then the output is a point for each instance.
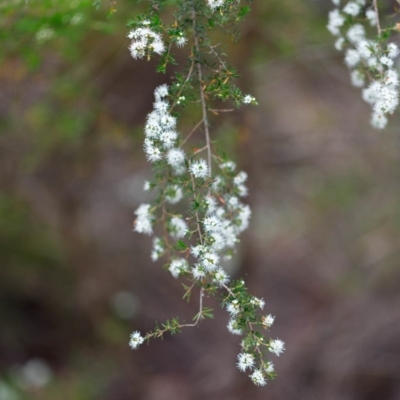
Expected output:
(178, 266)
(153, 153)
(370, 94)
(276, 346)
(161, 91)
(245, 360)
(173, 194)
(352, 8)
(144, 38)
(352, 57)
(387, 99)
(393, 50)
(356, 33)
(146, 186)
(336, 2)
(258, 302)
(228, 166)
(210, 261)
(218, 241)
(378, 120)
(243, 218)
(357, 78)
(198, 272)
(391, 78)
(339, 44)
(214, 4)
(161, 106)
(233, 327)
(248, 99)
(168, 138)
(365, 48)
(177, 227)
(240, 178)
(386, 61)
(371, 16)
(181, 41)
(221, 277)
(233, 308)
(336, 20)
(175, 157)
(158, 249)
(196, 251)
(199, 169)
(211, 204)
(270, 367)
(211, 223)
(258, 378)
(135, 340)
(242, 190)
(144, 220)
(268, 320)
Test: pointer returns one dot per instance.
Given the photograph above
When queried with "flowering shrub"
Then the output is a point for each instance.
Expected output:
(371, 61)
(199, 210)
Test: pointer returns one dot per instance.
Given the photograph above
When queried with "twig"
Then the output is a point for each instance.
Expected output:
(378, 24)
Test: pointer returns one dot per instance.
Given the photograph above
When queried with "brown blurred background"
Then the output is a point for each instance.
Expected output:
(322, 249)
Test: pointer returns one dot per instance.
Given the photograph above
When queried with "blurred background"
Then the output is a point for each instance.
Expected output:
(322, 249)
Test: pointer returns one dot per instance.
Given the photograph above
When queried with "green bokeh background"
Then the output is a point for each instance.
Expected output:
(322, 249)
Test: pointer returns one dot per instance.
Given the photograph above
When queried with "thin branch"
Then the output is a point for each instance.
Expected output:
(191, 132)
(378, 24)
(202, 96)
(189, 75)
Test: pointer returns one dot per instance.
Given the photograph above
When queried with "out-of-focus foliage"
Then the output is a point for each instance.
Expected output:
(324, 242)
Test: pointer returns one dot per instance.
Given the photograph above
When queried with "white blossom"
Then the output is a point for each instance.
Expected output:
(378, 120)
(356, 33)
(268, 320)
(393, 50)
(352, 8)
(177, 266)
(211, 223)
(136, 340)
(178, 227)
(371, 16)
(258, 378)
(245, 360)
(276, 346)
(249, 99)
(233, 327)
(198, 272)
(221, 277)
(214, 4)
(352, 58)
(199, 169)
(339, 44)
(228, 166)
(181, 41)
(144, 38)
(270, 367)
(233, 308)
(258, 302)
(161, 92)
(175, 158)
(158, 249)
(357, 78)
(173, 194)
(144, 220)
(336, 21)
(210, 261)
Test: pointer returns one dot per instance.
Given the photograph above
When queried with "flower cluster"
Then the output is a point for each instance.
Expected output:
(199, 209)
(369, 60)
(145, 39)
